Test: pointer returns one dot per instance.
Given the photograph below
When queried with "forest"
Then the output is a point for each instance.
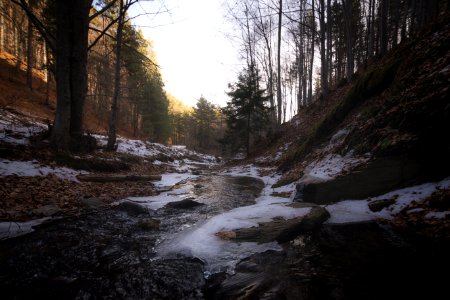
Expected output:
(294, 52)
(321, 173)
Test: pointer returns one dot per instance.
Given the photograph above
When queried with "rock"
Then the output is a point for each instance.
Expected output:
(46, 210)
(198, 186)
(149, 224)
(301, 204)
(92, 203)
(196, 172)
(279, 229)
(132, 208)
(376, 177)
(378, 205)
(184, 204)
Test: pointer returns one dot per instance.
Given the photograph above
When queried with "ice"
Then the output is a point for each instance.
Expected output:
(201, 241)
(13, 229)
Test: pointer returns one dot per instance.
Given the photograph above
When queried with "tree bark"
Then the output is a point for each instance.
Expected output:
(311, 67)
(279, 101)
(383, 26)
(79, 66)
(30, 50)
(113, 118)
(349, 38)
(323, 57)
(61, 129)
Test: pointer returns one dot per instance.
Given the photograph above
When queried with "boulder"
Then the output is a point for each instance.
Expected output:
(46, 210)
(149, 224)
(378, 205)
(188, 203)
(92, 202)
(132, 208)
(374, 178)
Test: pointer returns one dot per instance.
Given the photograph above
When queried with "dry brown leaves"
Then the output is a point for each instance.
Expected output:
(21, 195)
(413, 217)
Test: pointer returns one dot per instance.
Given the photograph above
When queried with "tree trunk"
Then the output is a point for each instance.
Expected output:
(311, 67)
(47, 73)
(61, 129)
(370, 26)
(349, 38)
(113, 118)
(383, 26)
(2, 31)
(280, 14)
(79, 66)
(323, 57)
(72, 18)
(329, 44)
(30, 50)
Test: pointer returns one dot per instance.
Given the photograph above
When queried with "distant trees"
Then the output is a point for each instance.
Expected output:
(343, 35)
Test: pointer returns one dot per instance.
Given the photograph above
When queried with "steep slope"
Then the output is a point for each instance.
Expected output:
(397, 107)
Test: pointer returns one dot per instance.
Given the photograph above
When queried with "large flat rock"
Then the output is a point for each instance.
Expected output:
(374, 178)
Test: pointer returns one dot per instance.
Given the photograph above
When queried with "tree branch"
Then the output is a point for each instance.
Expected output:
(48, 37)
(128, 46)
(108, 6)
(102, 33)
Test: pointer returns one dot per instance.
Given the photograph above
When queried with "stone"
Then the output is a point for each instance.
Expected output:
(149, 224)
(46, 210)
(184, 204)
(132, 208)
(378, 205)
(301, 204)
(92, 203)
(374, 178)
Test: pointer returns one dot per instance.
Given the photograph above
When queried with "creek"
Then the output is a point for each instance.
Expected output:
(170, 252)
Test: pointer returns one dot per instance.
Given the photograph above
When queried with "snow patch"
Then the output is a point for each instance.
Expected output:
(34, 168)
(358, 210)
(332, 165)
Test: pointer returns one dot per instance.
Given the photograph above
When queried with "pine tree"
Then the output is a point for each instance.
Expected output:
(246, 113)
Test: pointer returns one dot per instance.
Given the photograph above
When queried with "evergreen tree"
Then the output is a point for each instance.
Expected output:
(246, 113)
(205, 116)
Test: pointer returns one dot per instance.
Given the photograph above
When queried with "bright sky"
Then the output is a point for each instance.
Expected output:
(190, 40)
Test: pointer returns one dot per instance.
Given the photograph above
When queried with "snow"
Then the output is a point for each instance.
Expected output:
(358, 210)
(13, 229)
(34, 168)
(437, 215)
(16, 129)
(170, 179)
(153, 150)
(332, 165)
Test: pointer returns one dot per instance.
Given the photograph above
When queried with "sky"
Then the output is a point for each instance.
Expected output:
(195, 55)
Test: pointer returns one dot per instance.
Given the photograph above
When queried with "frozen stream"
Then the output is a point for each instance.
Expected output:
(114, 253)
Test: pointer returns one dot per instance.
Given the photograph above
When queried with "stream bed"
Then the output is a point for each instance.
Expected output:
(124, 252)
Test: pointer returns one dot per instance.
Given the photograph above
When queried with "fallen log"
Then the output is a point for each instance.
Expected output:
(279, 229)
(117, 178)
